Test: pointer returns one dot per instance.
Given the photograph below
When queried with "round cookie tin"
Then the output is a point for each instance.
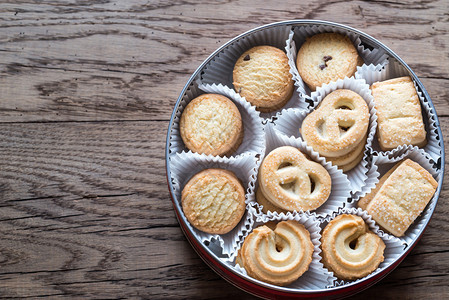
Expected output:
(270, 130)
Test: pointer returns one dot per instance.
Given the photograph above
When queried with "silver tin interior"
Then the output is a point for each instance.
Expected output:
(213, 249)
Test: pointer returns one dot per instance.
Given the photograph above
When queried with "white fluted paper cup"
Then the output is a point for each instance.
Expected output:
(393, 69)
(187, 164)
(299, 35)
(290, 121)
(384, 162)
(316, 277)
(253, 135)
(394, 247)
(340, 189)
(219, 70)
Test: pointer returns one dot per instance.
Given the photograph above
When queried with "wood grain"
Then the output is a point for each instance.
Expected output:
(128, 60)
(86, 93)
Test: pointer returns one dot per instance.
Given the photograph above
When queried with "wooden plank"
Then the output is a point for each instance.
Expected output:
(89, 215)
(129, 60)
(110, 232)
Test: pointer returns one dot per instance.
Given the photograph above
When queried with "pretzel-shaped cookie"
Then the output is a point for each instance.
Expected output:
(292, 182)
(267, 205)
(351, 159)
(338, 124)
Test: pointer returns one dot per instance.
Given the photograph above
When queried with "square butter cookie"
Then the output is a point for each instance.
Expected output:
(400, 197)
(399, 114)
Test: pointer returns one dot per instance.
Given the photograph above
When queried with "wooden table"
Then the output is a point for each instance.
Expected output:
(87, 89)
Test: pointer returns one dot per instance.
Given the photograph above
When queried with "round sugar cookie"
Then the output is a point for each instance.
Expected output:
(213, 201)
(262, 76)
(211, 124)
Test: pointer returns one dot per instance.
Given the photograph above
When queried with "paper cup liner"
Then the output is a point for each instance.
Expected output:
(185, 165)
(394, 247)
(176, 145)
(219, 70)
(253, 140)
(393, 69)
(373, 73)
(372, 177)
(384, 162)
(316, 277)
(299, 35)
(340, 189)
(289, 121)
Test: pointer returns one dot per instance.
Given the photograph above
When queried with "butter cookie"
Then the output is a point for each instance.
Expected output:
(401, 197)
(213, 201)
(262, 76)
(326, 57)
(292, 182)
(338, 127)
(277, 257)
(350, 249)
(211, 124)
(399, 118)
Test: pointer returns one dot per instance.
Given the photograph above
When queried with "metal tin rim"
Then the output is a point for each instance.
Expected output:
(214, 262)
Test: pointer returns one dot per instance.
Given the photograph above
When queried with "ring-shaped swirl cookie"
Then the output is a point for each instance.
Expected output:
(277, 257)
(292, 182)
(338, 125)
(350, 249)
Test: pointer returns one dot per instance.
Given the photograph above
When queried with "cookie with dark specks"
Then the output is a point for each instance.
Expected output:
(326, 57)
(262, 76)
